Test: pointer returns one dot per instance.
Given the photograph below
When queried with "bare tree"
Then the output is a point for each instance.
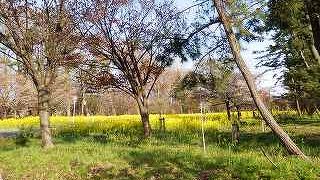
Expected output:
(40, 36)
(161, 100)
(17, 95)
(6, 88)
(25, 101)
(222, 85)
(129, 41)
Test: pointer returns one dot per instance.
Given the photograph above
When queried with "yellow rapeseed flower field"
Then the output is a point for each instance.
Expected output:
(126, 123)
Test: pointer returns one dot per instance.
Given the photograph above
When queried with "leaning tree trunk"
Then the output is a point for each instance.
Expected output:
(291, 147)
(43, 98)
(144, 113)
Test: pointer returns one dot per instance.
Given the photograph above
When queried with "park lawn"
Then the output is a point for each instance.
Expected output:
(121, 153)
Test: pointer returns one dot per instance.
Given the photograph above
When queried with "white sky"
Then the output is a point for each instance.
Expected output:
(267, 80)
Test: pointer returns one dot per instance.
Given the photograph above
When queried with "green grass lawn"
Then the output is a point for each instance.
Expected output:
(174, 154)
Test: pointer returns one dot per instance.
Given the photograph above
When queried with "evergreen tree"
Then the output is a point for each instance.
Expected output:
(295, 50)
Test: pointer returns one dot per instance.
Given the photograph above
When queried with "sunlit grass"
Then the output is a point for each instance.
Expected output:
(113, 147)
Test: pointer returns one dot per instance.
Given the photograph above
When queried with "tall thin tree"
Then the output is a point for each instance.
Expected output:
(221, 7)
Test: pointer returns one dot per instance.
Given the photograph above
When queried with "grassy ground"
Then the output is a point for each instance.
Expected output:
(113, 149)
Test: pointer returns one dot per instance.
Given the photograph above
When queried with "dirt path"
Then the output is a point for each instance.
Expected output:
(8, 133)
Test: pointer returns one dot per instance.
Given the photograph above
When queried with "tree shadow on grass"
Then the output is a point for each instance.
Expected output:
(101, 138)
(7, 144)
(219, 138)
(248, 140)
(163, 164)
(296, 120)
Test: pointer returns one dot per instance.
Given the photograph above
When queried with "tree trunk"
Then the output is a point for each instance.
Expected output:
(298, 107)
(113, 109)
(291, 147)
(83, 105)
(43, 98)
(15, 113)
(314, 28)
(235, 126)
(228, 108)
(315, 53)
(144, 113)
(318, 112)
(254, 114)
(4, 113)
(68, 107)
(67, 92)
(79, 102)
(314, 17)
(181, 108)
(297, 100)
(235, 134)
(82, 108)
